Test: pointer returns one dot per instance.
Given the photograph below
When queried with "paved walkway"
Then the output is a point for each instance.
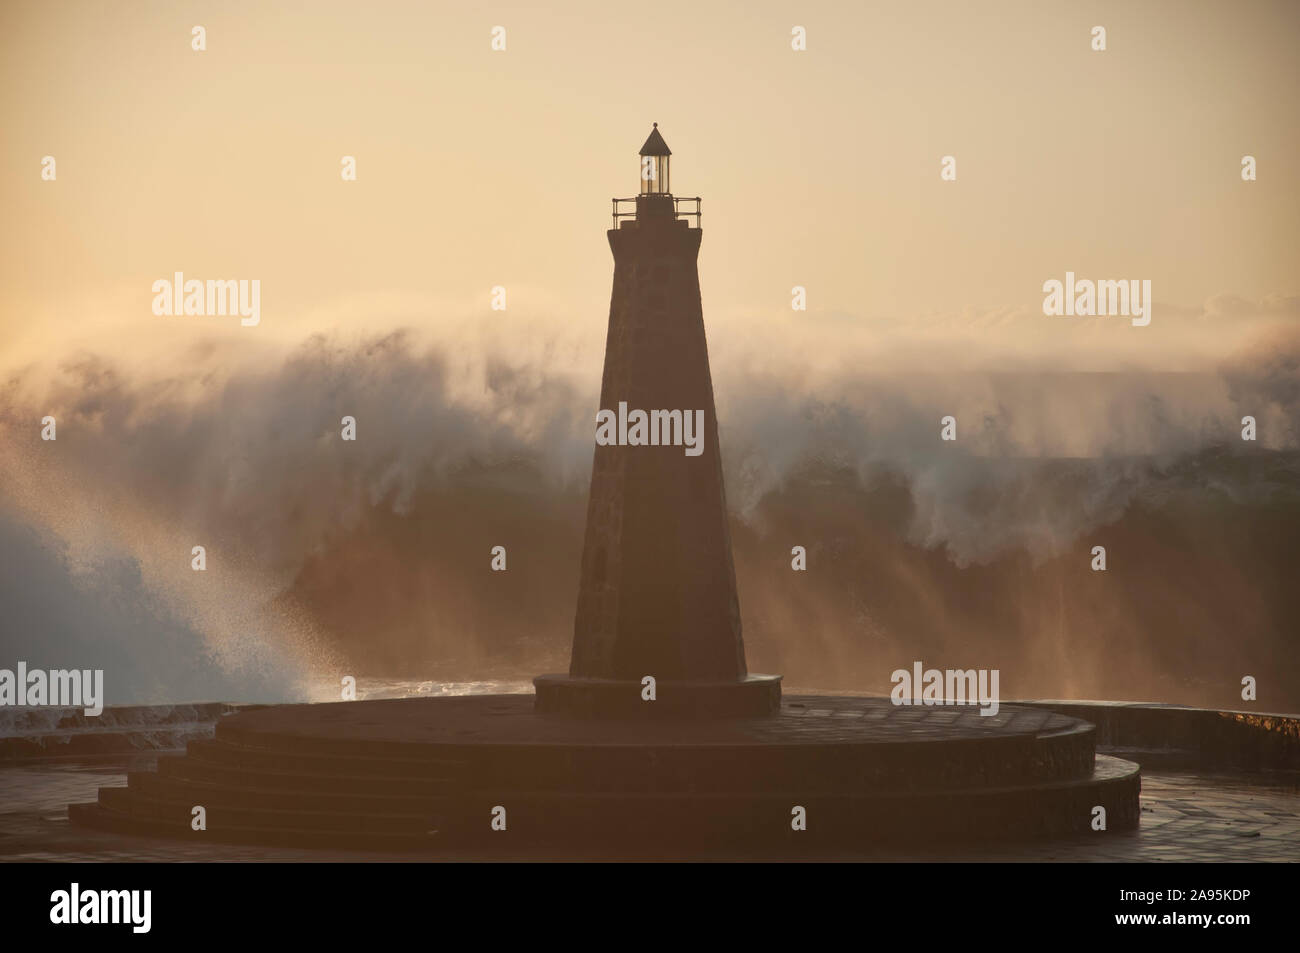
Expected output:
(1185, 817)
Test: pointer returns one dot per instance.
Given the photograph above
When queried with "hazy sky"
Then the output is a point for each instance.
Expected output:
(478, 168)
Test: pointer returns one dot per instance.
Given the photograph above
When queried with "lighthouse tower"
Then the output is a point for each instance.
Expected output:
(657, 631)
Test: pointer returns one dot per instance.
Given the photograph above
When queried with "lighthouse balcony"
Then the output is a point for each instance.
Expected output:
(656, 206)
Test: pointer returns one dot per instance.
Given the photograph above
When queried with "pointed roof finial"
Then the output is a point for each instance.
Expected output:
(655, 145)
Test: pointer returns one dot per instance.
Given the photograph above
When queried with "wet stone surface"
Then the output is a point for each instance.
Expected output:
(510, 719)
(1185, 817)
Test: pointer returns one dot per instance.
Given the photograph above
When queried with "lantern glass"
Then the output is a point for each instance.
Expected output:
(654, 175)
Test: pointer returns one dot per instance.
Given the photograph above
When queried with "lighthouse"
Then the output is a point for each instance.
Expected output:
(657, 630)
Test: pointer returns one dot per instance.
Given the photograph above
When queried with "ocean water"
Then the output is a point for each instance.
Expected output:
(324, 690)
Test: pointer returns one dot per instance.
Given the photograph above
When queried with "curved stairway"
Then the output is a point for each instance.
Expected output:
(423, 773)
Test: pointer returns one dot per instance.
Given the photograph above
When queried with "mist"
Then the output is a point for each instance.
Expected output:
(371, 558)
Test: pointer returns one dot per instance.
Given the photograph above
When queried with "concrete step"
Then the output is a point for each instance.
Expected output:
(96, 817)
(163, 787)
(290, 761)
(135, 804)
(1041, 809)
(192, 769)
(1024, 811)
(830, 740)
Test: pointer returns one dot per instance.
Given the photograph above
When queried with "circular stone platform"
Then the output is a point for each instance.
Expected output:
(749, 696)
(422, 772)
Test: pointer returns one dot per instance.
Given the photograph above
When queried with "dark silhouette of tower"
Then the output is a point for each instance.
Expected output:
(658, 589)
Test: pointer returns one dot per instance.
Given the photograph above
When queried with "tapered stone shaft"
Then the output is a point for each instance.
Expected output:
(658, 589)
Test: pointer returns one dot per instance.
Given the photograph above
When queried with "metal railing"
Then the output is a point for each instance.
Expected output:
(687, 213)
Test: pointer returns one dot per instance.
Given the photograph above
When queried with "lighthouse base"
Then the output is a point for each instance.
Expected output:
(747, 697)
(489, 771)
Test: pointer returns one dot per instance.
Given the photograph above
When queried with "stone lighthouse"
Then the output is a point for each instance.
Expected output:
(657, 631)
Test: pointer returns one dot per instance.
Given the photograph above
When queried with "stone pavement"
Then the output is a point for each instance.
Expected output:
(513, 719)
(1186, 816)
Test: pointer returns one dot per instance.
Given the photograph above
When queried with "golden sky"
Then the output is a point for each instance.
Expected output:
(479, 168)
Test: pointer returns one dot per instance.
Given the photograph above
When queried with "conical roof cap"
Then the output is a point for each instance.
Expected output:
(655, 145)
